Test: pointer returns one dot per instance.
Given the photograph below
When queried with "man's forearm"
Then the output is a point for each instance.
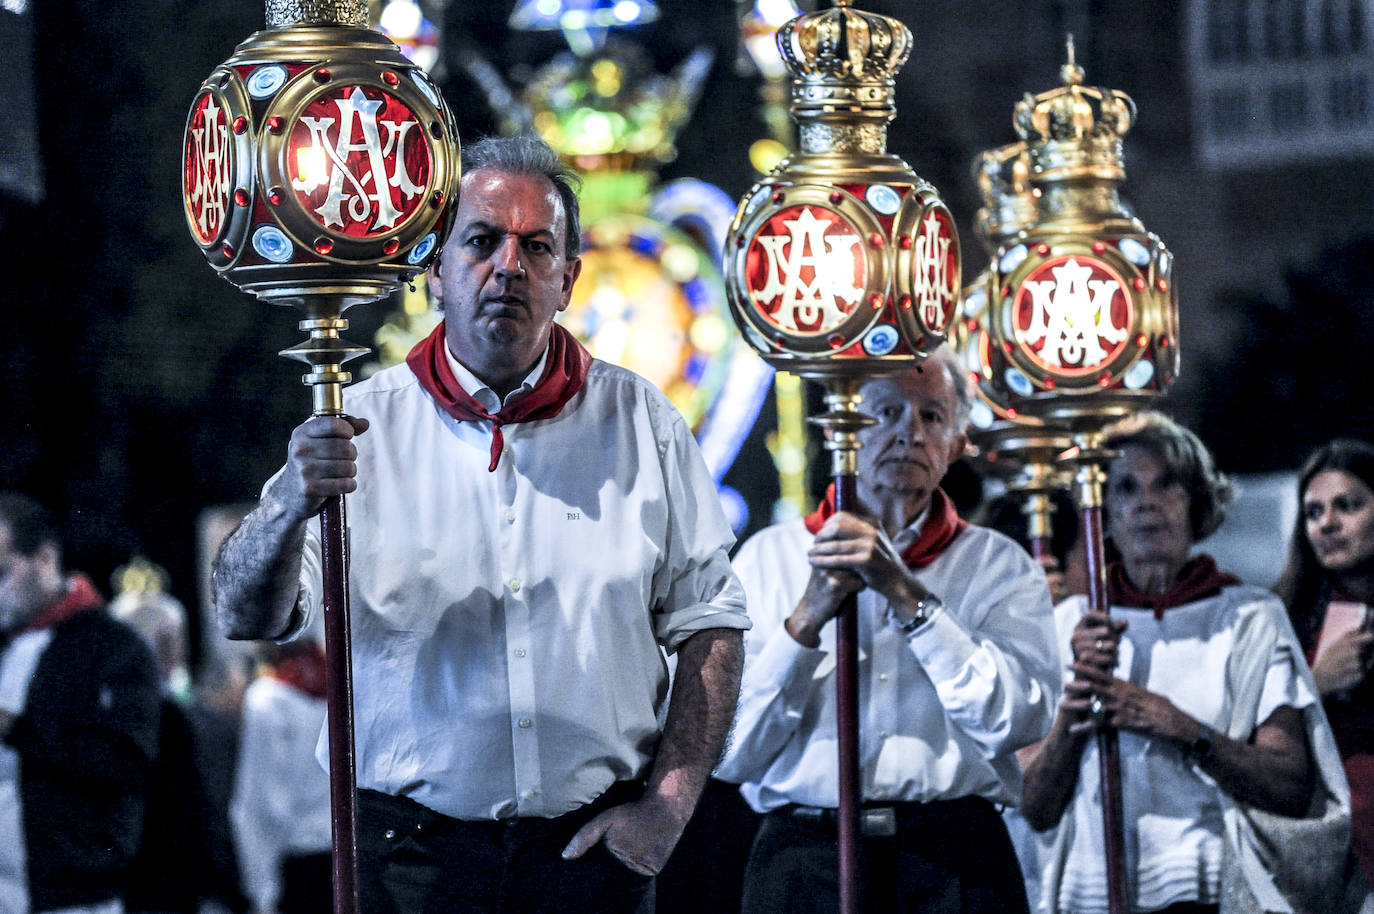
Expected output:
(257, 574)
(702, 707)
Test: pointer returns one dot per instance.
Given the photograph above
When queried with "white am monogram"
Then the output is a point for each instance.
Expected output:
(209, 191)
(932, 285)
(359, 199)
(1072, 314)
(808, 306)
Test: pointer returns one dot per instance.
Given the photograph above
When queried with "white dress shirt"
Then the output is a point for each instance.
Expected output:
(941, 715)
(510, 626)
(280, 806)
(1174, 813)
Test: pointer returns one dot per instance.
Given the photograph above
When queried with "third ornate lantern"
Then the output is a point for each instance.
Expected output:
(842, 265)
(319, 164)
(1020, 449)
(1083, 322)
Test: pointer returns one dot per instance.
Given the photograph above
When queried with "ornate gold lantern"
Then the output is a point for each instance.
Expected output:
(1019, 449)
(1084, 324)
(1083, 318)
(319, 165)
(842, 265)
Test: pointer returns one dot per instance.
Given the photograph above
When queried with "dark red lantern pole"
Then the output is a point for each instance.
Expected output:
(319, 167)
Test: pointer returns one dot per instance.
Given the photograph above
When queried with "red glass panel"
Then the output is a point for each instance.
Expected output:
(208, 180)
(806, 269)
(1072, 315)
(359, 161)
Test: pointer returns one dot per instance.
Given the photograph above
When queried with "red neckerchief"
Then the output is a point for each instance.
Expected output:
(564, 374)
(302, 669)
(1199, 579)
(81, 596)
(941, 527)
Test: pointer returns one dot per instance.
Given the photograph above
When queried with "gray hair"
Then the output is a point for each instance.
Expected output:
(948, 359)
(529, 155)
(1184, 454)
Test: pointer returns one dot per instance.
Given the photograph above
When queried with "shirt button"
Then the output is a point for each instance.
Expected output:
(510, 517)
(515, 585)
(882, 677)
(884, 734)
(390, 834)
(519, 652)
(526, 723)
(527, 795)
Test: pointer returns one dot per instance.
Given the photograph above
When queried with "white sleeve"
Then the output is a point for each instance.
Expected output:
(694, 588)
(992, 653)
(779, 673)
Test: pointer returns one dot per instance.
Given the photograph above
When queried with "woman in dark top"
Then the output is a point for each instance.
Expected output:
(1328, 586)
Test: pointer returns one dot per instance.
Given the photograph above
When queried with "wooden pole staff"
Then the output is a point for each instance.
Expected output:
(1091, 479)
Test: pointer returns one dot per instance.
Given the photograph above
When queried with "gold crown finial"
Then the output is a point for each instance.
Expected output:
(844, 64)
(1003, 178)
(1074, 131)
(1071, 73)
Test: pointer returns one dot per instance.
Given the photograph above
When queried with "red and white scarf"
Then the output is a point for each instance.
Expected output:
(564, 374)
(1199, 579)
(941, 527)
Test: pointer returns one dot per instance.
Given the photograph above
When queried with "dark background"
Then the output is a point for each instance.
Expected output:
(141, 389)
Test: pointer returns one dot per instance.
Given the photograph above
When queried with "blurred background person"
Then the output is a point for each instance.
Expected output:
(79, 723)
(186, 862)
(1328, 585)
(280, 808)
(1216, 710)
(1067, 574)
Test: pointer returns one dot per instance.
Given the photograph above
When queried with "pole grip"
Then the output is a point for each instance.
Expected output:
(847, 722)
(338, 653)
(1108, 755)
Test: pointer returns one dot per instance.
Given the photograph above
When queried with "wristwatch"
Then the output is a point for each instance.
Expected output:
(1200, 749)
(925, 608)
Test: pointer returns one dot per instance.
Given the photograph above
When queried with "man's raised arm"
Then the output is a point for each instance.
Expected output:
(257, 573)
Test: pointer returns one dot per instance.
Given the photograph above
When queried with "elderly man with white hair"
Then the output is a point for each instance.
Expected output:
(957, 670)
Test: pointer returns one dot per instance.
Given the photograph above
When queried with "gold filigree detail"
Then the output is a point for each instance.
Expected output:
(286, 13)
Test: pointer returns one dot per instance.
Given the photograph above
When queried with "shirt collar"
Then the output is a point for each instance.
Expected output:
(912, 532)
(474, 387)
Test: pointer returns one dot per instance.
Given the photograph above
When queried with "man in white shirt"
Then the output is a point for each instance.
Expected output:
(957, 670)
(530, 531)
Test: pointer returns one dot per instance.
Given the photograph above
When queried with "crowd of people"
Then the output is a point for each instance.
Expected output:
(557, 661)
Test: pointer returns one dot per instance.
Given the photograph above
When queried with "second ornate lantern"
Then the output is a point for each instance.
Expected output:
(843, 265)
(1083, 321)
(1020, 449)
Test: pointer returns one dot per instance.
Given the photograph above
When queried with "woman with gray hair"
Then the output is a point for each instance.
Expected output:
(1201, 675)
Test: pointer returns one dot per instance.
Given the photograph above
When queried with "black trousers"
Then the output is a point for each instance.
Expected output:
(307, 882)
(947, 857)
(412, 860)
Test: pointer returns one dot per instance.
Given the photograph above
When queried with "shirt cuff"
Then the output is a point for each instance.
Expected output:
(942, 646)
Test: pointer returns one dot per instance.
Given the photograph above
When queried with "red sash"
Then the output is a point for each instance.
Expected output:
(1199, 579)
(564, 374)
(302, 668)
(81, 595)
(941, 527)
